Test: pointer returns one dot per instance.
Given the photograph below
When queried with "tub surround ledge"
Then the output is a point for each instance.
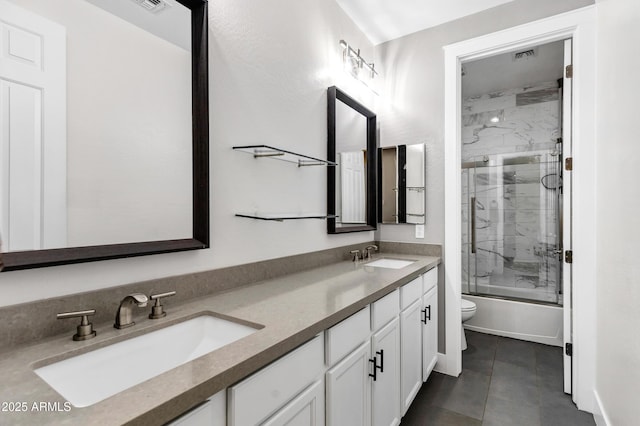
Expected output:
(292, 308)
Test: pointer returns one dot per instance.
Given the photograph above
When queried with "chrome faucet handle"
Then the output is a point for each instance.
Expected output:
(355, 254)
(157, 311)
(368, 250)
(85, 329)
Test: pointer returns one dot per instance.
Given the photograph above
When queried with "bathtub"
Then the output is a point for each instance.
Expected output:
(518, 320)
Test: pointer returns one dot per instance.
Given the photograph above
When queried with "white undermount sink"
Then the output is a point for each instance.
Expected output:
(390, 263)
(93, 376)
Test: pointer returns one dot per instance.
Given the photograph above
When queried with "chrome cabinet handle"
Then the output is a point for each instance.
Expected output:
(85, 330)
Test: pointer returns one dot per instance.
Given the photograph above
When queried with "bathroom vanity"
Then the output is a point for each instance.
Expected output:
(311, 327)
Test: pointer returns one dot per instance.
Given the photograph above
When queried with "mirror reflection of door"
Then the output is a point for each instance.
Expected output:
(351, 175)
(352, 187)
(32, 131)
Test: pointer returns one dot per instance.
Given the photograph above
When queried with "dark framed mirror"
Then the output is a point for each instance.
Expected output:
(351, 184)
(132, 114)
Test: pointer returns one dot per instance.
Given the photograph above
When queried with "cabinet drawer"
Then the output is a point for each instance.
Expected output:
(429, 280)
(385, 309)
(260, 395)
(347, 335)
(211, 412)
(410, 292)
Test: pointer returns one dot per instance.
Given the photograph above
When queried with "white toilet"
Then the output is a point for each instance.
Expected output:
(468, 309)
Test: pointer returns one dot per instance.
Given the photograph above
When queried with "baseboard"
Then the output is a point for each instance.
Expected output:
(599, 414)
(442, 367)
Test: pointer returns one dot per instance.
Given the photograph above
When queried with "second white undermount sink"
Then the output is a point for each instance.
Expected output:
(390, 263)
(91, 377)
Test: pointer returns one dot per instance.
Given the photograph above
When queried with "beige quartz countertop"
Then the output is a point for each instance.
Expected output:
(292, 309)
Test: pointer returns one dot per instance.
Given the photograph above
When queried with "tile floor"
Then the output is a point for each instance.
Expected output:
(503, 382)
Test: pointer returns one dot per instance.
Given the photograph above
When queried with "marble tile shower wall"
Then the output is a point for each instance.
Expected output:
(515, 213)
(524, 120)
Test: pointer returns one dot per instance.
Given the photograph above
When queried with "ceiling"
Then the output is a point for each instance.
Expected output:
(384, 20)
(503, 72)
(173, 23)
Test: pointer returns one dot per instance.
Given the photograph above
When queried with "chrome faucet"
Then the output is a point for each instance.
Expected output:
(124, 316)
(367, 251)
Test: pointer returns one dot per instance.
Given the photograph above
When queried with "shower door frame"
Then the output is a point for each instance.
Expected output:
(580, 26)
(500, 161)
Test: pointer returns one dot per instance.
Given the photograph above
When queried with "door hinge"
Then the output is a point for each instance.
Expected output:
(569, 71)
(568, 349)
(568, 163)
(568, 256)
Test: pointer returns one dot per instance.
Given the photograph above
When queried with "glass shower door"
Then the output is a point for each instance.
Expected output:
(511, 235)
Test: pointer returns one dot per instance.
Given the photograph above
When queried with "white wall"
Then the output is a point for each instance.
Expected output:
(270, 65)
(414, 95)
(618, 229)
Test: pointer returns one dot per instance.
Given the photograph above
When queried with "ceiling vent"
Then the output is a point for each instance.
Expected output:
(153, 6)
(525, 54)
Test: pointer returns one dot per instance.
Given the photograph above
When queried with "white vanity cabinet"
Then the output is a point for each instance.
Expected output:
(429, 322)
(307, 409)
(212, 412)
(349, 389)
(272, 392)
(348, 393)
(410, 342)
(364, 387)
(385, 387)
(365, 370)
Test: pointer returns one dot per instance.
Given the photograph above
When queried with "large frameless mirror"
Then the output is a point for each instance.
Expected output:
(104, 119)
(351, 199)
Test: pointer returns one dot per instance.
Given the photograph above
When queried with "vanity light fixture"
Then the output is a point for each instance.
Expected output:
(354, 62)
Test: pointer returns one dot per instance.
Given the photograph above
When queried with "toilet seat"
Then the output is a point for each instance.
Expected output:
(467, 305)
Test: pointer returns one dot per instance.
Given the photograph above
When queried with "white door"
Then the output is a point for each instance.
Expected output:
(429, 332)
(385, 389)
(353, 187)
(410, 354)
(349, 390)
(566, 216)
(307, 409)
(32, 130)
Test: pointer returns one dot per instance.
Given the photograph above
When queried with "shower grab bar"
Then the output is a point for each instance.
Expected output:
(473, 225)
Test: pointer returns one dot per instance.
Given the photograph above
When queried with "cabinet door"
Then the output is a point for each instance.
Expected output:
(307, 409)
(212, 412)
(349, 389)
(410, 354)
(262, 394)
(429, 332)
(385, 388)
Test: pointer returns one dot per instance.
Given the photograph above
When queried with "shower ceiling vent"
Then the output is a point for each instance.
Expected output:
(525, 54)
(154, 6)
